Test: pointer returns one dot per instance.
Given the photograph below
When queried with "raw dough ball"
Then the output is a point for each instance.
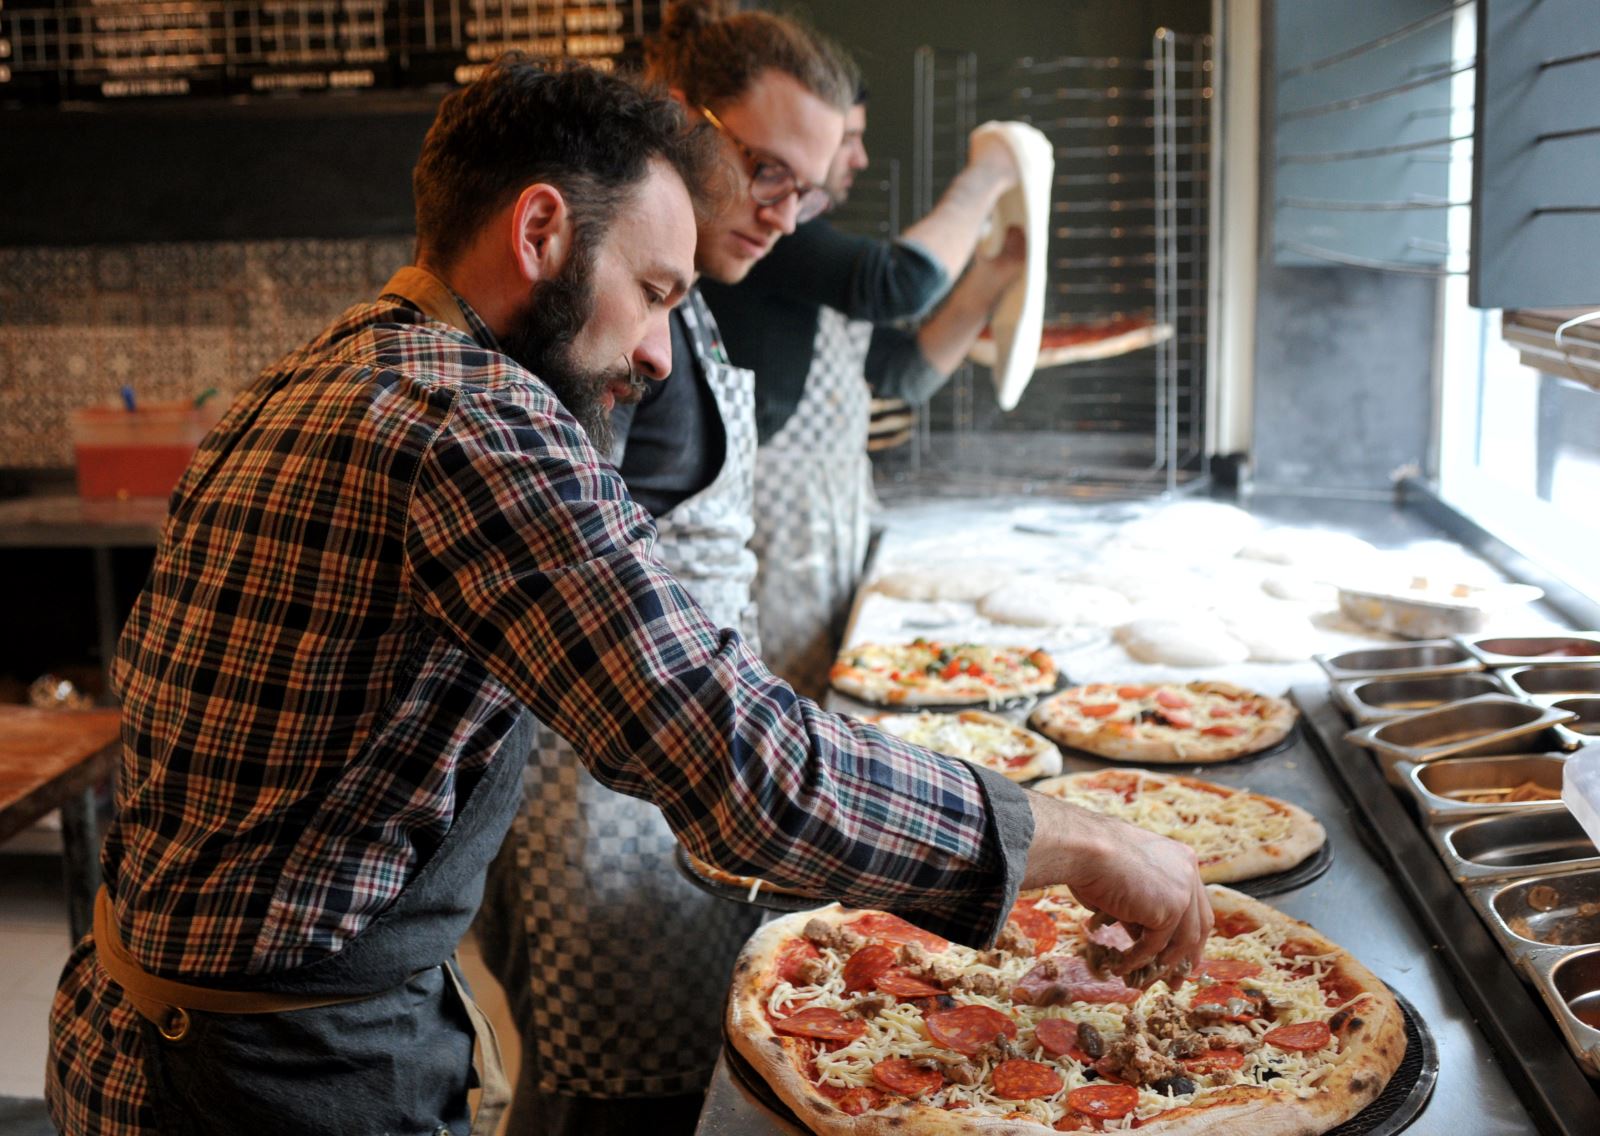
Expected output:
(1049, 603)
(1197, 641)
(1301, 587)
(1283, 636)
(1320, 549)
(965, 582)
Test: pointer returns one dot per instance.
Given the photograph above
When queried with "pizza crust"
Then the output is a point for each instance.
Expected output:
(1303, 838)
(863, 673)
(1372, 1034)
(1055, 719)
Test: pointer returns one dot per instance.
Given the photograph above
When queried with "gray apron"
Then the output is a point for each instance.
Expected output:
(616, 964)
(398, 1061)
(813, 494)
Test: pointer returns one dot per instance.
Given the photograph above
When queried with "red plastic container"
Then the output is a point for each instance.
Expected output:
(138, 453)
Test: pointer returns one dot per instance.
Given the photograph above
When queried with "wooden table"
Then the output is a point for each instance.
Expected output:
(54, 759)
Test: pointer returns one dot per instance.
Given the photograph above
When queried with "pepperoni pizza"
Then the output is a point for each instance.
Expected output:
(1165, 723)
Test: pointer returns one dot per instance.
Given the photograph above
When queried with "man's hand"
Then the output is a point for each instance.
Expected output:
(991, 161)
(1136, 877)
(1000, 271)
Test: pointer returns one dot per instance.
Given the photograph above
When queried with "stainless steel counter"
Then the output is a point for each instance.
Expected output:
(1355, 903)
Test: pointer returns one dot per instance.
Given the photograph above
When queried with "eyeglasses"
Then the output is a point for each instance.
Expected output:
(771, 181)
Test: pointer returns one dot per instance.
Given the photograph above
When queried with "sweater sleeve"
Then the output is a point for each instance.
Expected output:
(863, 277)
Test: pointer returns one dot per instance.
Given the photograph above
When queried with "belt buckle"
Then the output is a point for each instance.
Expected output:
(174, 1025)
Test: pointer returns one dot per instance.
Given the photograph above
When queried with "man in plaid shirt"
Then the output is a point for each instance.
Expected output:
(400, 540)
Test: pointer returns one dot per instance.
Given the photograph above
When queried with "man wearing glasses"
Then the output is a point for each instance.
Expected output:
(585, 917)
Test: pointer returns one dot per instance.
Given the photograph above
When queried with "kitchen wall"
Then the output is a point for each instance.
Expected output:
(171, 320)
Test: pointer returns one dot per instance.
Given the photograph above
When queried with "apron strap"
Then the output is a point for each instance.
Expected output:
(496, 1094)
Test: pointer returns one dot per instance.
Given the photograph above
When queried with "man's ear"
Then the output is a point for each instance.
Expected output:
(541, 232)
(683, 99)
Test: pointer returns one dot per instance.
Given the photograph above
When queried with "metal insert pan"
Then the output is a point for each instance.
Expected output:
(1537, 842)
(1482, 726)
(1431, 656)
(1548, 683)
(1436, 785)
(1369, 700)
(1523, 650)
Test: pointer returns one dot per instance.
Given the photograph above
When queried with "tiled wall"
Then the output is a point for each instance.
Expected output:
(171, 320)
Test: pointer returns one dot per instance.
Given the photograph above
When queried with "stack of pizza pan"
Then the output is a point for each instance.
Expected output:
(1475, 732)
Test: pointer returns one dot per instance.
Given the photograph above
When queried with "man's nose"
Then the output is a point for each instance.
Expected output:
(653, 357)
(781, 215)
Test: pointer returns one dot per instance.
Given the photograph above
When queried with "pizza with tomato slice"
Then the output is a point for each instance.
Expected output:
(866, 1025)
(925, 672)
(979, 737)
(1169, 723)
(1235, 834)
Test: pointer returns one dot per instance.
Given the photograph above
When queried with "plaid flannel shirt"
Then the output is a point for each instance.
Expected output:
(395, 541)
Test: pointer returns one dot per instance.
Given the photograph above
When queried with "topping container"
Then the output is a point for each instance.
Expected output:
(1500, 651)
(1368, 700)
(1486, 725)
(1438, 787)
(1585, 728)
(1532, 843)
(1550, 682)
(1433, 657)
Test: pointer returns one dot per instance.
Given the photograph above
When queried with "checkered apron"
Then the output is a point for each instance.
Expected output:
(629, 963)
(813, 492)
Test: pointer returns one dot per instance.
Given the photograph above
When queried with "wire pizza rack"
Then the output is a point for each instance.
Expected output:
(1130, 237)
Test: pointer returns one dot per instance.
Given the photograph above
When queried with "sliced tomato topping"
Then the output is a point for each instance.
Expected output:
(1101, 709)
(866, 965)
(1301, 1037)
(1035, 924)
(1177, 719)
(967, 1029)
(952, 670)
(888, 928)
(974, 669)
(791, 955)
(1222, 731)
(1020, 1079)
(898, 984)
(1118, 729)
(1225, 970)
(821, 1024)
(1104, 1102)
(1134, 691)
(1337, 988)
(907, 1077)
(1172, 700)
(1213, 1060)
(1059, 1038)
(1222, 711)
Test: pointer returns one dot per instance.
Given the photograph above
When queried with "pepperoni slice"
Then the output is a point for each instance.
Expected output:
(1172, 700)
(822, 1024)
(1213, 1060)
(1301, 1037)
(1226, 970)
(967, 1029)
(1019, 1079)
(1101, 709)
(1215, 998)
(791, 955)
(866, 965)
(853, 1102)
(888, 928)
(1104, 1102)
(1059, 1038)
(898, 984)
(1231, 924)
(907, 1077)
(1035, 924)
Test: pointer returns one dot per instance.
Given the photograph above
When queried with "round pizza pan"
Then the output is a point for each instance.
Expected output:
(1284, 744)
(1298, 876)
(771, 900)
(1401, 1102)
(1024, 702)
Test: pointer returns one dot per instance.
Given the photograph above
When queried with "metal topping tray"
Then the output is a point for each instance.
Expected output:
(1368, 700)
(1437, 787)
(1584, 729)
(1551, 926)
(1486, 725)
(1504, 651)
(1432, 656)
(1531, 842)
(1550, 682)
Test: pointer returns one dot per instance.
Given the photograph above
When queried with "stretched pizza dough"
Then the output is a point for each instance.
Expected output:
(1200, 640)
(1018, 321)
(1049, 603)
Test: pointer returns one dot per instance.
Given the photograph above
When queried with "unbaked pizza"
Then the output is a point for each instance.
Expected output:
(866, 1025)
(1064, 343)
(926, 672)
(1236, 834)
(1164, 722)
(979, 737)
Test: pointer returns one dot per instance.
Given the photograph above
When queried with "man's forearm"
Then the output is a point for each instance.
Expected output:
(950, 331)
(951, 229)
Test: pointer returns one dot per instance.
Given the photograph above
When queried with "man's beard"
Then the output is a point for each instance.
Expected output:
(541, 340)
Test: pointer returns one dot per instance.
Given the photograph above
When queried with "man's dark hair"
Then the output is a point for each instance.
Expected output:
(589, 134)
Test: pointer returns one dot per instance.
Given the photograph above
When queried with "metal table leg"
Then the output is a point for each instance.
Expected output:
(80, 839)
